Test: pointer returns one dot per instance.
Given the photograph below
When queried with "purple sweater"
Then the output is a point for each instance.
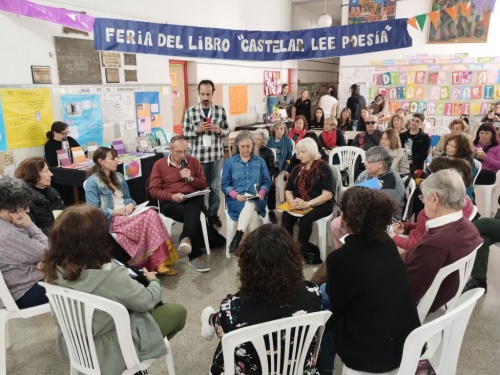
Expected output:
(439, 247)
(492, 161)
(20, 250)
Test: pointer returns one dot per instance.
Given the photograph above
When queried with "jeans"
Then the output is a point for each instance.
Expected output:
(326, 356)
(211, 171)
(35, 296)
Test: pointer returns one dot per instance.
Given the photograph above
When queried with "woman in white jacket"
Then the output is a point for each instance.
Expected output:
(390, 140)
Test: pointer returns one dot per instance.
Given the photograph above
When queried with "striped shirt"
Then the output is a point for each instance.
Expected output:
(193, 118)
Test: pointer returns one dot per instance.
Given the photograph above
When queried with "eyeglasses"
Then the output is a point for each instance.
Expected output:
(65, 133)
(370, 122)
(245, 146)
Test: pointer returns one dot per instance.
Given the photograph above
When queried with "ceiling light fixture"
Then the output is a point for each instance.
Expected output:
(325, 20)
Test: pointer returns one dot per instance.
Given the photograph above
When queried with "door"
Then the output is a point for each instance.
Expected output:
(178, 76)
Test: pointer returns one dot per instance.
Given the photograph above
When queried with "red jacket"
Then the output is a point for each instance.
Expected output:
(166, 180)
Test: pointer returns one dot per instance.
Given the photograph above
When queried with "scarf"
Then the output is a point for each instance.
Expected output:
(330, 140)
(294, 133)
(305, 179)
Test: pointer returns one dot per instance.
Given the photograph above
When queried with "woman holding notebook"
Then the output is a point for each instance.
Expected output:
(245, 184)
(143, 236)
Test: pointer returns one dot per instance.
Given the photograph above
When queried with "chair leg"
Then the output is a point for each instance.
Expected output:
(487, 202)
(322, 240)
(205, 234)
(8, 329)
(170, 360)
(3, 347)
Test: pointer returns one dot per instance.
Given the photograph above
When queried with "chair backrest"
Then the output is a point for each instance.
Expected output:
(337, 183)
(410, 189)
(464, 268)
(439, 130)
(473, 213)
(74, 311)
(6, 297)
(294, 345)
(453, 324)
(348, 156)
(479, 166)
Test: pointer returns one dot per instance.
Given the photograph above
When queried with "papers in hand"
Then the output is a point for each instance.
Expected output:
(253, 196)
(295, 212)
(372, 183)
(140, 208)
(196, 193)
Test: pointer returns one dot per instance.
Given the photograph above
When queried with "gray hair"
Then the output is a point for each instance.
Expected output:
(379, 153)
(241, 137)
(310, 146)
(15, 194)
(449, 187)
(263, 132)
(280, 123)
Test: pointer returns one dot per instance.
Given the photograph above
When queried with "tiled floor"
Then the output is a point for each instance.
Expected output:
(34, 350)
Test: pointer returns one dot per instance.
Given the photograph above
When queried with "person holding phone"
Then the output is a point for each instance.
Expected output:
(205, 125)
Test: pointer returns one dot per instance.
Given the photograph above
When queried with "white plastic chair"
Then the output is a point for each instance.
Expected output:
(168, 222)
(348, 156)
(479, 166)
(296, 347)
(464, 268)
(473, 213)
(451, 327)
(410, 189)
(74, 309)
(323, 230)
(9, 312)
(487, 192)
(279, 183)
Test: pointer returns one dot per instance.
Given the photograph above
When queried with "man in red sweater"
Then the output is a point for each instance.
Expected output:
(171, 178)
(450, 236)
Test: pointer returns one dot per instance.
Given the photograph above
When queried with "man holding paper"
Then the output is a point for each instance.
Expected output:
(205, 125)
(172, 178)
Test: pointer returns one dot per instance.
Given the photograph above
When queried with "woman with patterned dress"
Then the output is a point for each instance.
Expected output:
(143, 236)
(272, 287)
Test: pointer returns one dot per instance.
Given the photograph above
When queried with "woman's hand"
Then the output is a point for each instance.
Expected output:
(285, 174)
(300, 204)
(481, 155)
(261, 197)
(119, 212)
(39, 266)
(149, 275)
(20, 218)
(129, 208)
(240, 198)
(398, 228)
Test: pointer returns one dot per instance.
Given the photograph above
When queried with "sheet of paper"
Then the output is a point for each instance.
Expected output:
(196, 193)
(155, 107)
(140, 208)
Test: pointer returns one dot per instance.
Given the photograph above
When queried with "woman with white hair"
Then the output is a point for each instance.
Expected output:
(310, 186)
(246, 184)
(377, 165)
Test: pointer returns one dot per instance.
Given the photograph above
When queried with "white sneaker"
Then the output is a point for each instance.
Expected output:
(185, 246)
(207, 330)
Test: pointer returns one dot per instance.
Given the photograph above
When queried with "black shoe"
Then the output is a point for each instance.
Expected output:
(476, 283)
(216, 221)
(272, 217)
(236, 241)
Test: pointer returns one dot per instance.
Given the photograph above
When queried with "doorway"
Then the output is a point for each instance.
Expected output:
(178, 76)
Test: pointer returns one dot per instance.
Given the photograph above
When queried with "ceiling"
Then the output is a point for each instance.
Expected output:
(333, 8)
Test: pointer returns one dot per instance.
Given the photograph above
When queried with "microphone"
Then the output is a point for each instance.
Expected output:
(183, 165)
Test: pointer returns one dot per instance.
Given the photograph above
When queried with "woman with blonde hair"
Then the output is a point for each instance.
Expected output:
(457, 126)
(398, 123)
(390, 140)
(143, 236)
(331, 136)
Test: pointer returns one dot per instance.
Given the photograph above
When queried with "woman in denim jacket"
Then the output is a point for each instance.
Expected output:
(245, 183)
(143, 236)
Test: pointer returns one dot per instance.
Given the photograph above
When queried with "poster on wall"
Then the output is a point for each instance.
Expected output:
(27, 116)
(118, 108)
(238, 100)
(83, 115)
(272, 82)
(3, 136)
(465, 21)
(148, 111)
(361, 11)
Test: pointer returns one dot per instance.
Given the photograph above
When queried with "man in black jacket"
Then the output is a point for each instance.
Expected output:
(416, 143)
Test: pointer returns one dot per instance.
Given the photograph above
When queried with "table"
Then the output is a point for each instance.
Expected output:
(261, 125)
(137, 186)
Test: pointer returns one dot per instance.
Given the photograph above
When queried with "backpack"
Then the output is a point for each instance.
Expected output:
(344, 174)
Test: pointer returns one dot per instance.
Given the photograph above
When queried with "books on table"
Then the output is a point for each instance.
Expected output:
(286, 207)
(63, 158)
(78, 154)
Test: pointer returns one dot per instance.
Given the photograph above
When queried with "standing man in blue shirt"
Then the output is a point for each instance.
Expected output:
(205, 125)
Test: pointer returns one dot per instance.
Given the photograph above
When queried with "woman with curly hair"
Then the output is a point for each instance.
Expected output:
(272, 286)
(143, 236)
(367, 286)
(398, 123)
(457, 126)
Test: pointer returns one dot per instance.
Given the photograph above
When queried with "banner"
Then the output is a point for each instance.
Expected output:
(212, 43)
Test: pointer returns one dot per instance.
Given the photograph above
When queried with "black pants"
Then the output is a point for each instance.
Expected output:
(271, 198)
(305, 222)
(35, 296)
(187, 212)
